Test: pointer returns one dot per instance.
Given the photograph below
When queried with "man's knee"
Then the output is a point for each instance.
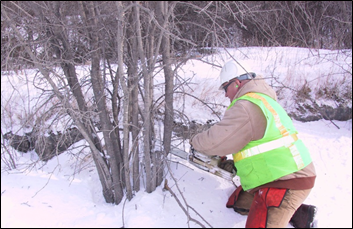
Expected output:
(280, 217)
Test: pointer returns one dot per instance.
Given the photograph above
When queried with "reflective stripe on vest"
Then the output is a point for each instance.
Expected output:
(286, 141)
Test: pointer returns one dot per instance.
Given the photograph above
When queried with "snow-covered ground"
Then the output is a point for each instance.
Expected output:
(66, 193)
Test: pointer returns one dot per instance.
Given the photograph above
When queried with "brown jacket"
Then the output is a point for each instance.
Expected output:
(242, 123)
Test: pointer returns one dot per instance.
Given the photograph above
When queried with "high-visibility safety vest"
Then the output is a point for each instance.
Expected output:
(277, 154)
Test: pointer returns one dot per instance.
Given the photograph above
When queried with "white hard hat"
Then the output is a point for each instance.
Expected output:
(232, 70)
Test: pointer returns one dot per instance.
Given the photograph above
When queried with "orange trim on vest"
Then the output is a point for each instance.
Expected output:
(279, 125)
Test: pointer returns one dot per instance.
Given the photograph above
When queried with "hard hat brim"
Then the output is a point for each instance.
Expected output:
(246, 76)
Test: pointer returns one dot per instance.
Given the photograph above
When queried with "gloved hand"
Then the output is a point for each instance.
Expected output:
(227, 165)
(196, 128)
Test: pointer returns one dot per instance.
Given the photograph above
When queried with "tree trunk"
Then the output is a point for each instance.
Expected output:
(147, 104)
(169, 85)
(134, 106)
(126, 90)
(110, 138)
(163, 13)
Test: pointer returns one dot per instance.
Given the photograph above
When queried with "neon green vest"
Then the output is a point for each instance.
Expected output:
(277, 154)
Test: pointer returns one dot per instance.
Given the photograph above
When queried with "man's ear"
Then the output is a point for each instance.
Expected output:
(237, 82)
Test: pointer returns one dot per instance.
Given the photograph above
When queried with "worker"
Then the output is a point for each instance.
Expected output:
(274, 166)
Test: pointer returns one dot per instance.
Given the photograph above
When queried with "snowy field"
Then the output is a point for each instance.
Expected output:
(67, 193)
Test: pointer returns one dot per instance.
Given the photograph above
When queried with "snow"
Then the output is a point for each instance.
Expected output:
(66, 193)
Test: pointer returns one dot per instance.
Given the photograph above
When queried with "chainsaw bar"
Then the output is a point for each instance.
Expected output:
(204, 162)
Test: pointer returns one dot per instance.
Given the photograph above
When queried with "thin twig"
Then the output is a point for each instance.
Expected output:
(47, 181)
(166, 187)
(201, 102)
(122, 215)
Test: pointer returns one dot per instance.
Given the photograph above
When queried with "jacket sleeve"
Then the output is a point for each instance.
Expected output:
(229, 135)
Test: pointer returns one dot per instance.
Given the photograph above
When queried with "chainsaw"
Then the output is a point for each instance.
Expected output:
(207, 163)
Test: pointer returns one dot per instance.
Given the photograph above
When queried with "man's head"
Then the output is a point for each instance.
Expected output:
(233, 76)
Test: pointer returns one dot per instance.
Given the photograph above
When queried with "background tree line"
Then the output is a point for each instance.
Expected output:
(125, 43)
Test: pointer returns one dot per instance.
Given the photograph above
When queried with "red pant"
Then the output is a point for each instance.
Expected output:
(264, 199)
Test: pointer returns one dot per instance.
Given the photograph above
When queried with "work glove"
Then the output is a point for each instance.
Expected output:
(227, 165)
(196, 128)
